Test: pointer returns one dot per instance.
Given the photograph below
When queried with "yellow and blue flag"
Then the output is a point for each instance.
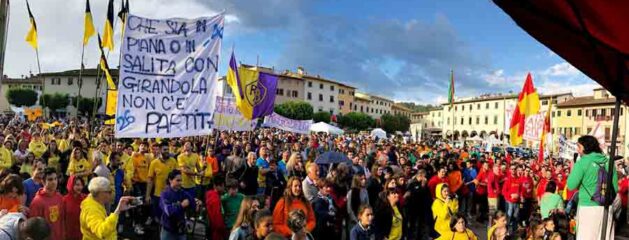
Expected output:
(254, 90)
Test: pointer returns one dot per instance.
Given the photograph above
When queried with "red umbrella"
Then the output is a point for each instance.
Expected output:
(590, 34)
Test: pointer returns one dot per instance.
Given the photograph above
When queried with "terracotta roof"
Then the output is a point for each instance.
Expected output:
(586, 101)
(402, 107)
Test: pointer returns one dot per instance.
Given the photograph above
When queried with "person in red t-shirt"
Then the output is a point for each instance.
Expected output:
(493, 189)
(436, 179)
(512, 190)
(541, 186)
(481, 191)
(526, 181)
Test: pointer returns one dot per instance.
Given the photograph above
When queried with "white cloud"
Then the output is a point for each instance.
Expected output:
(563, 69)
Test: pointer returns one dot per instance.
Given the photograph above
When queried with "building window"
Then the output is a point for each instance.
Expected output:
(295, 94)
(577, 131)
(471, 107)
(350, 105)
(477, 120)
(371, 110)
(579, 112)
(361, 110)
(603, 113)
(559, 113)
(309, 84)
(331, 99)
(70, 81)
(309, 96)
(455, 107)
(544, 102)
(463, 108)
(320, 97)
(462, 121)
(478, 106)
(320, 85)
(496, 105)
(587, 112)
(486, 105)
(448, 121)
(332, 88)
(496, 119)
(569, 113)
(486, 120)
(280, 92)
(607, 133)
(320, 109)
(331, 111)
(470, 121)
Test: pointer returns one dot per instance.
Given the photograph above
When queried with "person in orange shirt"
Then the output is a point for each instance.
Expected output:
(12, 194)
(211, 160)
(293, 199)
(455, 179)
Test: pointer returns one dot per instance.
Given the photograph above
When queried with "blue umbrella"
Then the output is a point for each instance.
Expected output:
(332, 157)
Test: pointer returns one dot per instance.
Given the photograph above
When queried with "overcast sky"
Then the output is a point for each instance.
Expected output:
(399, 49)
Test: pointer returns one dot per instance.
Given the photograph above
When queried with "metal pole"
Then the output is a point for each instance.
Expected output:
(610, 168)
(80, 81)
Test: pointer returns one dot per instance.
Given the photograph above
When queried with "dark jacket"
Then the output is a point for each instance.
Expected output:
(275, 185)
(249, 176)
(383, 219)
(419, 200)
(373, 189)
(325, 213)
(360, 233)
(173, 217)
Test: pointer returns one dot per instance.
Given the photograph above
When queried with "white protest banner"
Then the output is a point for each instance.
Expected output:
(567, 148)
(297, 126)
(534, 124)
(227, 117)
(168, 82)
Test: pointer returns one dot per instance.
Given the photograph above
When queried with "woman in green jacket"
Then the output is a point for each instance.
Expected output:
(584, 177)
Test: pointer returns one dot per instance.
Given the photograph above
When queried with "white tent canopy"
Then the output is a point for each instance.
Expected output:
(327, 128)
(378, 132)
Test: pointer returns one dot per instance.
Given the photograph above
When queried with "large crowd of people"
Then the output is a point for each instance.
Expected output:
(70, 180)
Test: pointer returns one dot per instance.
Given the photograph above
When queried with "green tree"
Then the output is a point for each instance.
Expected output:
(21, 97)
(54, 102)
(391, 123)
(86, 105)
(321, 117)
(356, 121)
(298, 110)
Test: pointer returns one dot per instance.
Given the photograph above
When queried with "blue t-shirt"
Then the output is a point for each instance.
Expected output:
(469, 174)
(30, 189)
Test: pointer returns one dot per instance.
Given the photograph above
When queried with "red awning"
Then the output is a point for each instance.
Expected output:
(592, 35)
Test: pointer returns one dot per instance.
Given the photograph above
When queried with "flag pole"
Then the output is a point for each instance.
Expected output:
(80, 81)
(43, 83)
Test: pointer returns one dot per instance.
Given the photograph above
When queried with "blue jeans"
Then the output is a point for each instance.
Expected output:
(166, 235)
(513, 211)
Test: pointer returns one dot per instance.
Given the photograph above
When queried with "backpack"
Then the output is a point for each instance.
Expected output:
(601, 187)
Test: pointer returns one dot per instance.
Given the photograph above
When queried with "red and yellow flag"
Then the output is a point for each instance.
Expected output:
(545, 131)
(528, 105)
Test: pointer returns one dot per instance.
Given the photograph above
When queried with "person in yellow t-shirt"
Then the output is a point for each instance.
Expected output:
(141, 162)
(6, 156)
(187, 162)
(126, 163)
(79, 166)
(37, 146)
(52, 156)
(158, 173)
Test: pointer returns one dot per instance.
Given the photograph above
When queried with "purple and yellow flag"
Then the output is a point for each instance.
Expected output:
(254, 90)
